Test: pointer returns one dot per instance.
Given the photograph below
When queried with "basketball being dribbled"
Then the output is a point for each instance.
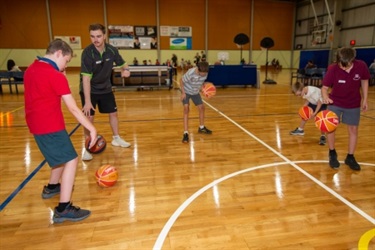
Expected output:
(106, 176)
(305, 112)
(209, 89)
(98, 147)
(326, 121)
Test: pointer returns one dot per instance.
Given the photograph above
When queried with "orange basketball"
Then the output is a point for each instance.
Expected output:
(209, 89)
(305, 112)
(326, 121)
(106, 176)
(98, 147)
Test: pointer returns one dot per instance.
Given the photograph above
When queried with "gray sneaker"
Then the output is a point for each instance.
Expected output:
(71, 213)
(322, 140)
(297, 132)
(49, 193)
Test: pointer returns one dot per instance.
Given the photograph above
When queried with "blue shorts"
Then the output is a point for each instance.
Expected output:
(57, 148)
(197, 99)
(347, 116)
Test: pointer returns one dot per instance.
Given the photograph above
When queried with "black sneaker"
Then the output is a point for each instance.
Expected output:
(322, 140)
(352, 163)
(333, 162)
(71, 213)
(185, 138)
(204, 130)
(48, 193)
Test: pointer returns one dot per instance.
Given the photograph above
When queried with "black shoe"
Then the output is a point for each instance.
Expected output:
(185, 138)
(322, 140)
(71, 213)
(204, 130)
(333, 162)
(352, 163)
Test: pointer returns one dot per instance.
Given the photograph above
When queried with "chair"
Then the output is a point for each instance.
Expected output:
(5, 79)
(317, 77)
(16, 78)
(372, 79)
(309, 73)
(299, 75)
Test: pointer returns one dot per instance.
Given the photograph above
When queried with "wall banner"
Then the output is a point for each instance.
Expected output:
(73, 41)
(182, 43)
(133, 37)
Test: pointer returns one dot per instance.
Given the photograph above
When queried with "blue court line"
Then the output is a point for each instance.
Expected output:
(28, 178)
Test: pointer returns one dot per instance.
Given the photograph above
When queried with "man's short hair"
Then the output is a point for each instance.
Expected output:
(97, 26)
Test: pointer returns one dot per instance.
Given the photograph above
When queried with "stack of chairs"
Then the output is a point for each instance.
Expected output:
(317, 77)
(372, 79)
(309, 77)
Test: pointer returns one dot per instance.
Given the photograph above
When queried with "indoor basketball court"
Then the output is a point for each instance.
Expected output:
(249, 185)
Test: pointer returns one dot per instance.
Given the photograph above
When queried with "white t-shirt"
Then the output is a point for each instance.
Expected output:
(314, 94)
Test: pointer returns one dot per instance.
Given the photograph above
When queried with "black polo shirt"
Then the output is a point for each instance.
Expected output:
(99, 67)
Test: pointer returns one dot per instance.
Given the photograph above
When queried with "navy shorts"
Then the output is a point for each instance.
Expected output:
(313, 106)
(57, 148)
(106, 102)
(347, 116)
(197, 99)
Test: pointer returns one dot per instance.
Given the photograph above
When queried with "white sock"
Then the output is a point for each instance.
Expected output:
(186, 132)
(116, 137)
(202, 126)
(300, 128)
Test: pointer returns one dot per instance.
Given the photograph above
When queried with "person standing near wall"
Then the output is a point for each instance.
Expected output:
(346, 77)
(95, 86)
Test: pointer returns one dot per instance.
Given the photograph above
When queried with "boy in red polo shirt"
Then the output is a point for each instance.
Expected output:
(45, 85)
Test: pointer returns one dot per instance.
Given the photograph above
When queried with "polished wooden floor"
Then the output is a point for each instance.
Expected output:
(249, 185)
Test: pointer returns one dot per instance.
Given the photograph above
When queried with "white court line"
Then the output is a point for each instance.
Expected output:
(163, 234)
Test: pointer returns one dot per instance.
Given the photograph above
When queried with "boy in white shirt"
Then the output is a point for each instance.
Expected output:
(314, 100)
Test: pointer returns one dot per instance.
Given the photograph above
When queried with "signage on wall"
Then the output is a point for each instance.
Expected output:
(132, 37)
(176, 31)
(73, 41)
(182, 43)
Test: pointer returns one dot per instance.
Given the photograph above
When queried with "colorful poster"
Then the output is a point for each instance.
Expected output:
(121, 37)
(73, 41)
(182, 43)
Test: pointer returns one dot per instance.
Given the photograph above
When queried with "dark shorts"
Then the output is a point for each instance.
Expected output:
(197, 99)
(106, 102)
(313, 106)
(347, 116)
(57, 148)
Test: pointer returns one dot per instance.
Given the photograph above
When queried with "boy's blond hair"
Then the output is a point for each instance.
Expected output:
(297, 86)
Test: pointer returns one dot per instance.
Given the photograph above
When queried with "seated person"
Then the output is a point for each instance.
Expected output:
(310, 65)
(11, 66)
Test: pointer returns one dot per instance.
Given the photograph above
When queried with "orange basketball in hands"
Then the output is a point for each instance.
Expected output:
(106, 176)
(208, 89)
(326, 121)
(98, 147)
(305, 112)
